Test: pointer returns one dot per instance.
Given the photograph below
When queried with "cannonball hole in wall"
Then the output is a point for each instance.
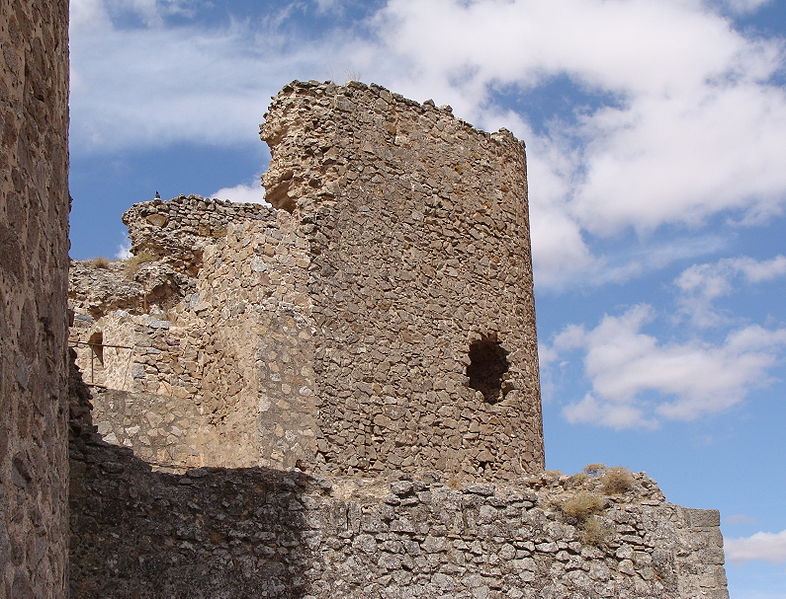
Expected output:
(96, 343)
(488, 363)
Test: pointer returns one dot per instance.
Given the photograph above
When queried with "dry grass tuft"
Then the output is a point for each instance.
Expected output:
(99, 262)
(616, 481)
(135, 262)
(583, 505)
(577, 480)
(596, 533)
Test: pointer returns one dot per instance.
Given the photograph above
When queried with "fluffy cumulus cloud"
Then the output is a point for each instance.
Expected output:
(251, 193)
(637, 381)
(138, 82)
(746, 6)
(123, 250)
(764, 546)
(682, 116)
(701, 284)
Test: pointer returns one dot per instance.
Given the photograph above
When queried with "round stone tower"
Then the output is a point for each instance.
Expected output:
(420, 281)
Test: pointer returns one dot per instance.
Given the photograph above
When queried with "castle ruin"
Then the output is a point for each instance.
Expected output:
(336, 396)
(382, 319)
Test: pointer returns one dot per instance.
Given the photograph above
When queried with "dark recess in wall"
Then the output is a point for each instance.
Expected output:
(488, 364)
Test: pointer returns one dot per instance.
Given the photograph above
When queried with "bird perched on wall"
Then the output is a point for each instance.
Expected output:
(157, 196)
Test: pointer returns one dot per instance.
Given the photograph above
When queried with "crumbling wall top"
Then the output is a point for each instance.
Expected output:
(177, 228)
(323, 136)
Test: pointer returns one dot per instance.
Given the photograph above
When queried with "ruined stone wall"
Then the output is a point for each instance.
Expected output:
(229, 339)
(382, 320)
(372, 344)
(254, 533)
(420, 281)
(253, 308)
(33, 271)
(172, 436)
(175, 230)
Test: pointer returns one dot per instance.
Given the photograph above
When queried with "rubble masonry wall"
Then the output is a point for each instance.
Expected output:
(339, 333)
(419, 244)
(335, 341)
(229, 339)
(254, 533)
(33, 275)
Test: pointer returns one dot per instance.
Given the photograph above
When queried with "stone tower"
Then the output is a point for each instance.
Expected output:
(371, 344)
(420, 281)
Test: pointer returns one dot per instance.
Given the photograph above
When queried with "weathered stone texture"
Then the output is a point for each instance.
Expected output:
(419, 239)
(170, 436)
(253, 533)
(385, 324)
(33, 273)
(371, 345)
(175, 231)
(229, 339)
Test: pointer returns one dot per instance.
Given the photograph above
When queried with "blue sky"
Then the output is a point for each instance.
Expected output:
(655, 135)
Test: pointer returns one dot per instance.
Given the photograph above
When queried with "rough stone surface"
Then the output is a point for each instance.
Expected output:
(228, 340)
(33, 275)
(175, 231)
(168, 436)
(217, 533)
(419, 243)
(339, 398)
(382, 320)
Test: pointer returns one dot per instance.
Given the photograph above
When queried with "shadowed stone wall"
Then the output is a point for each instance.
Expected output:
(215, 533)
(33, 274)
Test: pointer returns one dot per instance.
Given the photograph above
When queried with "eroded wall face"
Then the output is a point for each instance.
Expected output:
(419, 238)
(33, 272)
(215, 334)
(254, 533)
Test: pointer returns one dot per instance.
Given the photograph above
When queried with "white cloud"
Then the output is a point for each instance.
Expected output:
(618, 46)
(91, 15)
(740, 519)
(635, 261)
(638, 380)
(123, 250)
(758, 271)
(764, 546)
(701, 284)
(680, 159)
(85, 14)
(332, 5)
(612, 415)
(746, 6)
(692, 125)
(253, 193)
(152, 85)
